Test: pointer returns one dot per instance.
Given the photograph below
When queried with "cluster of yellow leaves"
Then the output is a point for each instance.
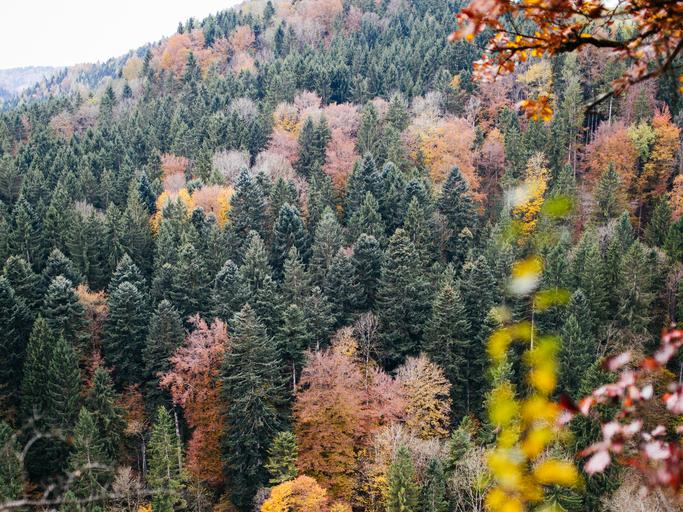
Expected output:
(526, 427)
(538, 77)
(427, 395)
(303, 494)
(147, 507)
(212, 199)
(531, 194)
(654, 179)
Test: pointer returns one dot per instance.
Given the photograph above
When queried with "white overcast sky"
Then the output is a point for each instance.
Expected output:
(65, 32)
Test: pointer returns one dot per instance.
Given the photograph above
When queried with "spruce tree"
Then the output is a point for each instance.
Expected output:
(397, 113)
(448, 344)
(319, 316)
(393, 202)
(326, 243)
(658, 227)
(576, 354)
(63, 311)
(292, 340)
(609, 198)
(588, 273)
(635, 291)
(137, 239)
(433, 494)
(403, 300)
(11, 466)
(312, 142)
(296, 281)
(63, 386)
(282, 455)
(125, 332)
(403, 493)
(283, 192)
(479, 291)
(673, 245)
(455, 204)
(417, 225)
(24, 282)
(227, 294)
(34, 399)
(101, 402)
(369, 138)
(363, 179)
(59, 265)
(320, 198)
(254, 394)
(89, 460)
(367, 264)
(190, 283)
(14, 321)
(26, 235)
(247, 208)
(127, 271)
(165, 475)
(289, 231)
(367, 220)
(342, 288)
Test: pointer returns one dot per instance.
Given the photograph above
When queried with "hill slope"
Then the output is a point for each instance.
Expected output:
(280, 238)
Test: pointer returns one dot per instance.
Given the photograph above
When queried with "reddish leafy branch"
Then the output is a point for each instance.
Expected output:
(656, 452)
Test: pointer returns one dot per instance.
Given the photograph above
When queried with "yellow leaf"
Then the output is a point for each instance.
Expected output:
(526, 275)
(503, 406)
(536, 441)
(547, 298)
(556, 472)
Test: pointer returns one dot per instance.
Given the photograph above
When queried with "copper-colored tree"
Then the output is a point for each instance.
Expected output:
(194, 385)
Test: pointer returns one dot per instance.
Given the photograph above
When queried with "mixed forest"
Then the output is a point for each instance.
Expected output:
(269, 262)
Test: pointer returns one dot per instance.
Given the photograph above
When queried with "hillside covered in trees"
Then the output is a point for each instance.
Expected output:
(257, 265)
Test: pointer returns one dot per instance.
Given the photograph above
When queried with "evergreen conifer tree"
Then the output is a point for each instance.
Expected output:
(609, 198)
(165, 475)
(448, 344)
(125, 332)
(89, 459)
(403, 493)
(367, 220)
(282, 455)
(296, 281)
(63, 311)
(14, 321)
(367, 263)
(455, 204)
(342, 288)
(11, 466)
(101, 402)
(433, 494)
(326, 243)
(254, 394)
(289, 231)
(227, 295)
(403, 300)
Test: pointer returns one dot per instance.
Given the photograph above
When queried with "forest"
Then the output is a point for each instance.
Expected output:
(300, 257)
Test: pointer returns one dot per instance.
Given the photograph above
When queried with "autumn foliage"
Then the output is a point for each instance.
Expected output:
(336, 411)
(303, 494)
(195, 386)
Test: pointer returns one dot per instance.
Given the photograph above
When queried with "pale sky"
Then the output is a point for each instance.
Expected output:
(65, 32)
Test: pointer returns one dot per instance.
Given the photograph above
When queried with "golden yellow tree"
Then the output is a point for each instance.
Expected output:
(303, 494)
(427, 396)
(528, 198)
